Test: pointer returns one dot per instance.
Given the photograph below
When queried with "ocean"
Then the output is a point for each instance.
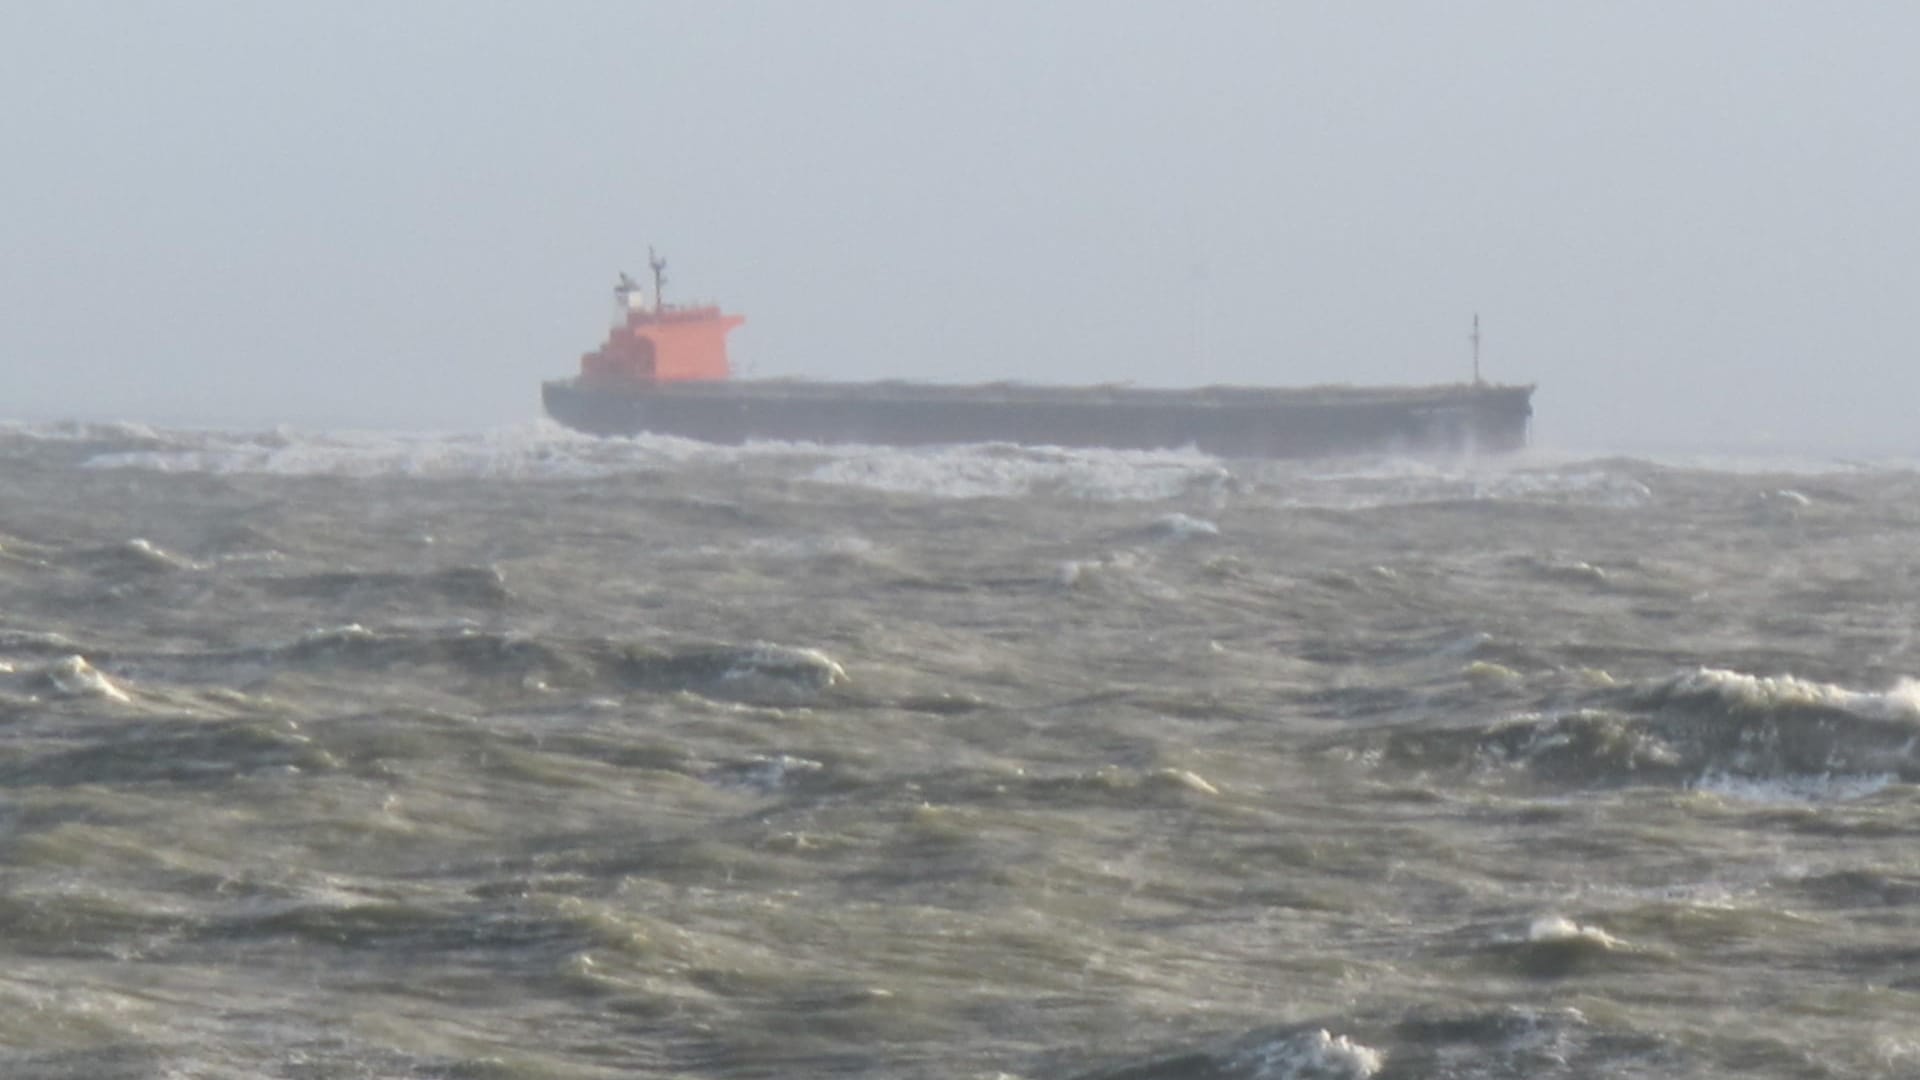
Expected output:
(522, 754)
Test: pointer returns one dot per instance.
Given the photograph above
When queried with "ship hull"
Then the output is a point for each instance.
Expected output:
(1226, 422)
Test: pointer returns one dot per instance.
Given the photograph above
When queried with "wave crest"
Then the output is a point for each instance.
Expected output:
(1757, 737)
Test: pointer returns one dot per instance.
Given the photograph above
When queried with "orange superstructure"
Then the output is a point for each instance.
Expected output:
(652, 342)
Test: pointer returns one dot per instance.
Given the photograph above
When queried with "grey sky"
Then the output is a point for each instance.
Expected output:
(1691, 222)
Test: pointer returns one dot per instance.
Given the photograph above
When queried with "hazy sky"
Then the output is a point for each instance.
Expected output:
(1687, 222)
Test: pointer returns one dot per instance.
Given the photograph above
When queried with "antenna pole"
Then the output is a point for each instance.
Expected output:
(659, 278)
(623, 292)
(1475, 338)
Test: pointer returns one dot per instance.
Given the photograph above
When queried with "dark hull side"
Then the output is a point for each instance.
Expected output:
(1225, 422)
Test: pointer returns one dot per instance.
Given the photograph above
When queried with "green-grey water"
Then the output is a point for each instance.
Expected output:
(529, 755)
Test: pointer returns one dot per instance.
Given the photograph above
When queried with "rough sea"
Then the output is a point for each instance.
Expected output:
(523, 754)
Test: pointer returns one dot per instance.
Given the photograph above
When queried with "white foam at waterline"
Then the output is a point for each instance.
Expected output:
(1597, 487)
(529, 451)
(80, 431)
(307, 451)
(1740, 690)
(1514, 478)
(1783, 463)
(1313, 1055)
(1348, 484)
(545, 450)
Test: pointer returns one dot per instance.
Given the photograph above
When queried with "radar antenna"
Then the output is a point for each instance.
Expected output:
(623, 293)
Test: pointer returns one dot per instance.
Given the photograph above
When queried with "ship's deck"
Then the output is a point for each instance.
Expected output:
(1455, 394)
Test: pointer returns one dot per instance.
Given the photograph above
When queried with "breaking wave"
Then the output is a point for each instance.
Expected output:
(74, 677)
(543, 450)
(1496, 1044)
(1713, 730)
(1310, 1053)
(533, 451)
(1010, 471)
(547, 451)
(754, 672)
(1786, 694)
(758, 672)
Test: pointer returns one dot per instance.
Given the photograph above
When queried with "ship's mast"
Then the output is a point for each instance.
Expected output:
(659, 266)
(1475, 338)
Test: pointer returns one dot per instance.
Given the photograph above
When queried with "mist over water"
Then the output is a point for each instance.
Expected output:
(354, 723)
(1691, 225)
(517, 753)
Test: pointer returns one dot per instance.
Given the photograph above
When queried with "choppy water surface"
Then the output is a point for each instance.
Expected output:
(529, 755)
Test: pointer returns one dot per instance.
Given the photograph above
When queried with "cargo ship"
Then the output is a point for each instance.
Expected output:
(663, 369)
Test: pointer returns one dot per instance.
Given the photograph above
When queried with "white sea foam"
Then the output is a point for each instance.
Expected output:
(786, 661)
(145, 551)
(1780, 507)
(778, 675)
(78, 431)
(74, 677)
(1765, 693)
(1901, 1053)
(843, 546)
(1376, 482)
(1779, 463)
(34, 640)
(1074, 573)
(530, 451)
(329, 635)
(544, 450)
(1183, 778)
(998, 471)
(1558, 929)
(771, 773)
(1184, 527)
(1592, 487)
(1312, 1055)
(1825, 787)
(1489, 675)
